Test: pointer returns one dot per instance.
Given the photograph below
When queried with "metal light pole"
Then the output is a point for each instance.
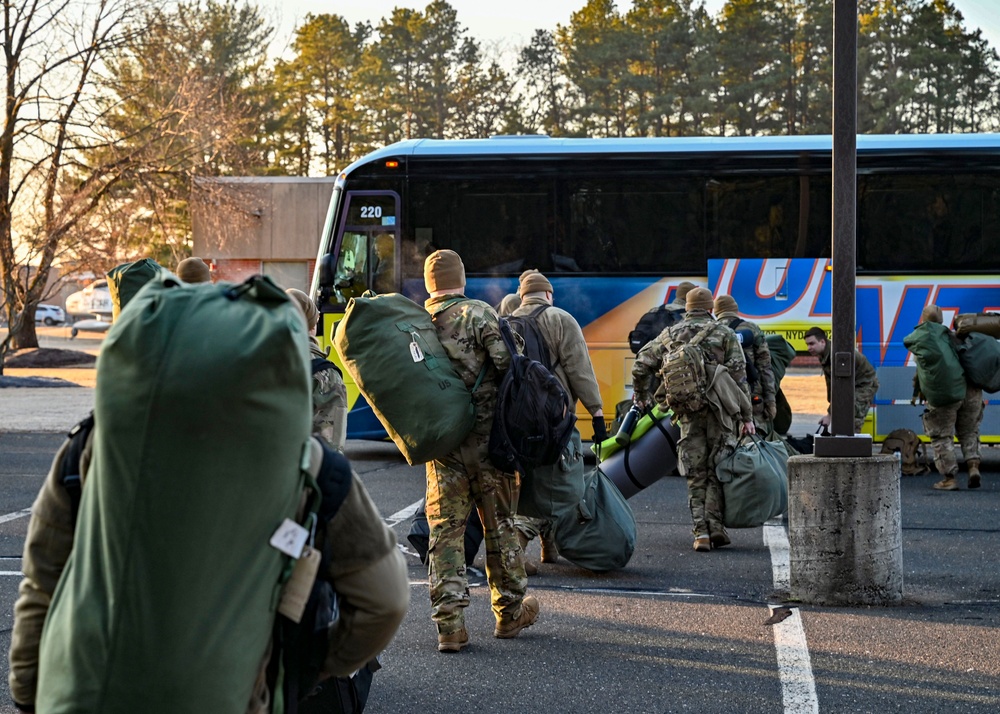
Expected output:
(844, 442)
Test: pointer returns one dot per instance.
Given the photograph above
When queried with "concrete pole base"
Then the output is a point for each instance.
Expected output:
(844, 530)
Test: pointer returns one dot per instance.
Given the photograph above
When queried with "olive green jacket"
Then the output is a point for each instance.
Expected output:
(568, 350)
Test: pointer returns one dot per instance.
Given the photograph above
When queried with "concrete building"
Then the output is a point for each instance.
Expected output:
(269, 224)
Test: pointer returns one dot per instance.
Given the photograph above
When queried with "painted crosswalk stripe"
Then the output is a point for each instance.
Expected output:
(14, 516)
(798, 687)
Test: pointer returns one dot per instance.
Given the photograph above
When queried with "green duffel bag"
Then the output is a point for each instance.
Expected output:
(203, 412)
(389, 346)
(594, 525)
(979, 355)
(754, 482)
(939, 371)
(599, 532)
(127, 279)
(782, 354)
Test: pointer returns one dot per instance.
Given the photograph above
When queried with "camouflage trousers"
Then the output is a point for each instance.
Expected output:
(330, 409)
(702, 445)
(942, 424)
(863, 398)
(464, 480)
(534, 527)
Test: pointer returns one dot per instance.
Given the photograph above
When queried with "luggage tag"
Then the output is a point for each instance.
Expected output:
(415, 352)
(295, 593)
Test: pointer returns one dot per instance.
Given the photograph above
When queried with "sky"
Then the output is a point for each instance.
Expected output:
(511, 23)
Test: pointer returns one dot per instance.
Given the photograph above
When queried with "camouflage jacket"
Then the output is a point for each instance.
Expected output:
(469, 331)
(568, 350)
(329, 400)
(865, 379)
(720, 346)
(759, 353)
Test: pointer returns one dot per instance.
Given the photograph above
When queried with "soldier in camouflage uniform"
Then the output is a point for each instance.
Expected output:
(469, 332)
(865, 380)
(943, 423)
(761, 380)
(329, 395)
(704, 439)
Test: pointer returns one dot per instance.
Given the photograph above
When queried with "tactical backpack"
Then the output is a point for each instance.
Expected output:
(907, 444)
(534, 418)
(652, 324)
(682, 373)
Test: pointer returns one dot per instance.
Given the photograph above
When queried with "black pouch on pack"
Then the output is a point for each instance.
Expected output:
(420, 534)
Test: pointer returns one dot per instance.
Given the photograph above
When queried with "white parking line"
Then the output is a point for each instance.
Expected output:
(402, 515)
(798, 687)
(14, 516)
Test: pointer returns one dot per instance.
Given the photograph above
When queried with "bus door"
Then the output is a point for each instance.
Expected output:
(368, 249)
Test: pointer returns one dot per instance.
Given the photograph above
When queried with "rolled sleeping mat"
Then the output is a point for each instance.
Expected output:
(651, 455)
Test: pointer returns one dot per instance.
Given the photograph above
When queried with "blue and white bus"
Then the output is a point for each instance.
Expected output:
(616, 224)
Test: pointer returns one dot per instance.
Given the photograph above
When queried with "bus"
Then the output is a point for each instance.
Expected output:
(616, 224)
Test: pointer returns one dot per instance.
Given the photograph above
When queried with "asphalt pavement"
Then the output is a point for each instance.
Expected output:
(676, 630)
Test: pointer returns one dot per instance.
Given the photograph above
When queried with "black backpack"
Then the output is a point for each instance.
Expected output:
(745, 336)
(651, 324)
(534, 418)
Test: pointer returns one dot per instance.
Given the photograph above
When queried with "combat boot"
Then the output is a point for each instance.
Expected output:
(973, 466)
(948, 483)
(529, 567)
(702, 543)
(550, 552)
(506, 629)
(453, 641)
(720, 539)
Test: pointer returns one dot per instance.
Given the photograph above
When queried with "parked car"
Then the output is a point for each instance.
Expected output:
(49, 315)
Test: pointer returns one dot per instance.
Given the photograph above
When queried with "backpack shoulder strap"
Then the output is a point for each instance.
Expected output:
(703, 333)
(321, 363)
(69, 469)
(548, 353)
(507, 336)
(449, 303)
(734, 322)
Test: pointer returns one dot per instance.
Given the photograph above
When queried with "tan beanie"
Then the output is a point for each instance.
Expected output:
(698, 299)
(306, 306)
(931, 313)
(509, 303)
(194, 270)
(725, 303)
(683, 289)
(534, 282)
(443, 270)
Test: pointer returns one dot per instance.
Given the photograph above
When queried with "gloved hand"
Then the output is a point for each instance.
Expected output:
(600, 429)
(770, 410)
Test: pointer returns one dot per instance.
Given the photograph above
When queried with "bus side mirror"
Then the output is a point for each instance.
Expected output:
(327, 270)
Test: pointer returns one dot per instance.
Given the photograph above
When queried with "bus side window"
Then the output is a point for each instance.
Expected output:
(350, 279)
(384, 278)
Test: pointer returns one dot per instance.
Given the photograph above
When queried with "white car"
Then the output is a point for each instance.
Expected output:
(49, 315)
